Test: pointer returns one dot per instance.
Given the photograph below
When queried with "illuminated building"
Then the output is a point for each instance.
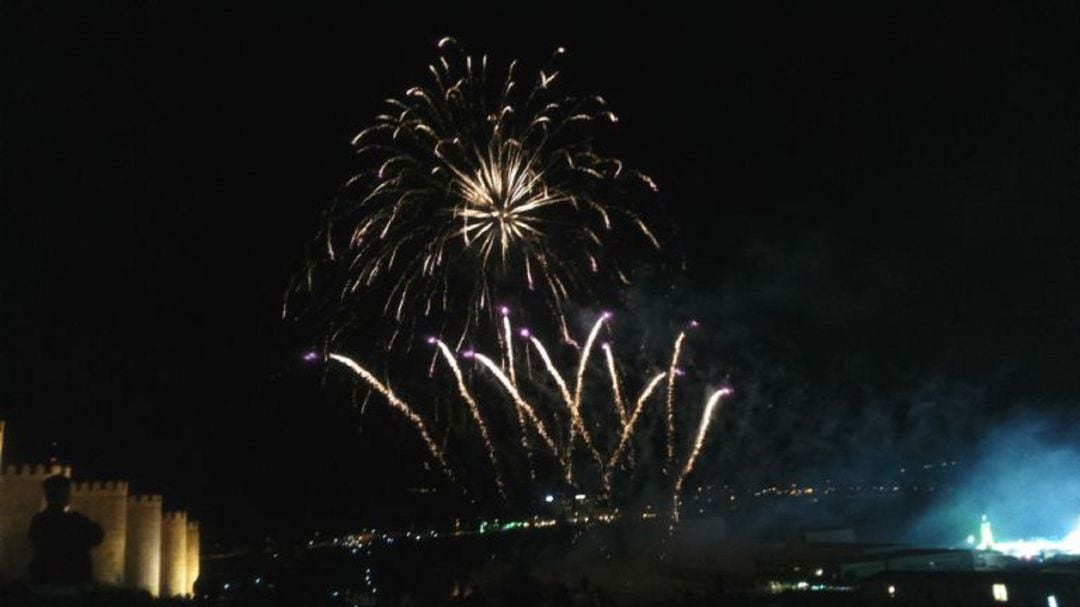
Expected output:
(142, 559)
(21, 498)
(174, 554)
(106, 504)
(132, 553)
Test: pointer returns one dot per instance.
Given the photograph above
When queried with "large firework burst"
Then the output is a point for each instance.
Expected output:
(476, 189)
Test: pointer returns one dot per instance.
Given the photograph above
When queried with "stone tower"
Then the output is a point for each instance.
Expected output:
(105, 503)
(174, 554)
(142, 547)
(21, 497)
(142, 560)
(192, 555)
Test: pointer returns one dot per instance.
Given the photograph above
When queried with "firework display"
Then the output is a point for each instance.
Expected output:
(557, 420)
(484, 186)
(480, 185)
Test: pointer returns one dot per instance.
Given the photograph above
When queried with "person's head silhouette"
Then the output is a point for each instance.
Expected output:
(57, 492)
(61, 539)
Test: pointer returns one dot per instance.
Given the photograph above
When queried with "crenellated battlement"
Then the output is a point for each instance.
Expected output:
(35, 471)
(105, 488)
(174, 551)
(192, 557)
(174, 515)
(144, 547)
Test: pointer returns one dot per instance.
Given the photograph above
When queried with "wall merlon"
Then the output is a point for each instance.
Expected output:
(111, 488)
(41, 471)
(144, 546)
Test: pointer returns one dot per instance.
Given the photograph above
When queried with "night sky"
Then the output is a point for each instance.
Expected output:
(871, 198)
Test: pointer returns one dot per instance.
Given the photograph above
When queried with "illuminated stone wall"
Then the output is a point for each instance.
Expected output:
(21, 497)
(174, 556)
(192, 555)
(142, 561)
(105, 503)
(142, 549)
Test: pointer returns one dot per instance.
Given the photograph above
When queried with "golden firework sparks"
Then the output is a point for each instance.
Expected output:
(475, 188)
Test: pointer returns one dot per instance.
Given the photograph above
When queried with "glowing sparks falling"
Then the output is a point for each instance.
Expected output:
(402, 407)
(616, 388)
(628, 429)
(474, 408)
(577, 425)
(616, 392)
(518, 400)
(477, 189)
(560, 446)
(552, 370)
(673, 373)
(508, 347)
(699, 441)
(508, 340)
(475, 185)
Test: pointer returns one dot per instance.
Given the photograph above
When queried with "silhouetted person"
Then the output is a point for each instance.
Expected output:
(61, 539)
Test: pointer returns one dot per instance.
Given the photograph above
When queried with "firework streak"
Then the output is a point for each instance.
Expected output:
(559, 447)
(673, 373)
(628, 429)
(518, 400)
(402, 407)
(507, 340)
(699, 440)
(475, 410)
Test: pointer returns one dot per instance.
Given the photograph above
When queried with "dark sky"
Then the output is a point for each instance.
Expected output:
(880, 193)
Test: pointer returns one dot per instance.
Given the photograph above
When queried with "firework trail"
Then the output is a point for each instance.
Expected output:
(616, 388)
(673, 371)
(552, 370)
(628, 429)
(620, 406)
(402, 407)
(577, 425)
(508, 341)
(474, 408)
(518, 400)
(477, 186)
(508, 338)
(699, 440)
(534, 418)
(571, 406)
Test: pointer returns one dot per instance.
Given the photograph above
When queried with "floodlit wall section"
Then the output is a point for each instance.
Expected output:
(142, 560)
